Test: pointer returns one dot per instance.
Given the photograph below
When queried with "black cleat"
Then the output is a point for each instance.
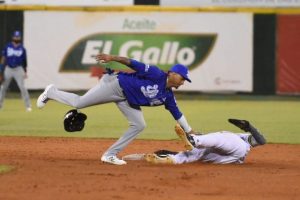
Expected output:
(242, 124)
(247, 127)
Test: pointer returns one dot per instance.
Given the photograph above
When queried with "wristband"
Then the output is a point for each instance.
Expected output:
(184, 124)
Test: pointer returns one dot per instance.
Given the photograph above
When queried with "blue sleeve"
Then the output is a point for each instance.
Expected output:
(171, 105)
(145, 70)
(136, 65)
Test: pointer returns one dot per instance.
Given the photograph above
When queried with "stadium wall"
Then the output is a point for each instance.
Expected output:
(264, 54)
(267, 75)
(288, 54)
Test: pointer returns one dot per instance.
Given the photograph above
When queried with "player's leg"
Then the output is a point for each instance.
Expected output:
(210, 155)
(107, 90)
(136, 125)
(19, 76)
(7, 79)
(216, 158)
(248, 138)
(223, 143)
(204, 155)
(196, 154)
(245, 125)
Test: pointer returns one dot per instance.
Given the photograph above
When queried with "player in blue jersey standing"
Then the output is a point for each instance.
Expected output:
(13, 64)
(147, 86)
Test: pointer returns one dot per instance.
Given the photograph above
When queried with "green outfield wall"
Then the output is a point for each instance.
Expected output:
(268, 69)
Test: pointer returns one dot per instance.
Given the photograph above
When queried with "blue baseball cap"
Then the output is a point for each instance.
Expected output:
(182, 70)
(17, 34)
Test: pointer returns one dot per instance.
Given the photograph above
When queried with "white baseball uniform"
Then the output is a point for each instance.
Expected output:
(222, 147)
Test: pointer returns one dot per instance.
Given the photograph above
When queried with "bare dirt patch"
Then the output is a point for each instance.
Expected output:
(70, 168)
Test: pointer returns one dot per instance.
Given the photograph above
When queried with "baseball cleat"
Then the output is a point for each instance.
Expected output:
(242, 124)
(188, 140)
(43, 98)
(113, 160)
(156, 159)
(247, 127)
(28, 109)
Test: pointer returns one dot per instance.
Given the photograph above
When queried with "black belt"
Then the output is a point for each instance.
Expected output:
(14, 66)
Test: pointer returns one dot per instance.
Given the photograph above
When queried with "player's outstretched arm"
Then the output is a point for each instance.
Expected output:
(105, 58)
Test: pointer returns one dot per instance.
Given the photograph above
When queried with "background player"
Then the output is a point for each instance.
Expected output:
(147, 86)
(13, 64)
(222, 147)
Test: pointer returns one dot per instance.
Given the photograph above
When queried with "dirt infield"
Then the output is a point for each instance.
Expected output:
(69, 168)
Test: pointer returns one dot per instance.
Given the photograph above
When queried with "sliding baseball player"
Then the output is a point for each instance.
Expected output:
(222, 147)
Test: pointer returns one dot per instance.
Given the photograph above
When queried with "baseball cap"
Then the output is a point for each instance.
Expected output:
(182, 70)
(17, 34)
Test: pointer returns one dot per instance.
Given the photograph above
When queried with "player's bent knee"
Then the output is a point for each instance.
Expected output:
(78, 104)
(139, 126)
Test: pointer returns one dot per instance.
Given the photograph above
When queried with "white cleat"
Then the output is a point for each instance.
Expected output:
(43, 98)
(113, 160)
(29, 109)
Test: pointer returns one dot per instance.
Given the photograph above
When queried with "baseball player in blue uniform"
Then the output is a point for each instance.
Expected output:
(13, 64)
(146, 86)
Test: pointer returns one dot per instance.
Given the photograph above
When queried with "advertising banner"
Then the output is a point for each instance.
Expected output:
(233, 3)
(288, 53)
(70, 2)
(216, 47)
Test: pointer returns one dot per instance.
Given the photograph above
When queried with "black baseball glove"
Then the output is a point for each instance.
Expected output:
(74, 120)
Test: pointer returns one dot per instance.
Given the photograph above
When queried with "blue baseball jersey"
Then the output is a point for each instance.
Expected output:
(147, 87)
(15, 56)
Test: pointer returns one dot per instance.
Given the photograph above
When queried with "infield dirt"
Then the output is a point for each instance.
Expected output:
(70, 168)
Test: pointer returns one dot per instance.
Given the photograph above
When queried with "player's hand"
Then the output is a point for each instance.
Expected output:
(25, 76)
(104, 58)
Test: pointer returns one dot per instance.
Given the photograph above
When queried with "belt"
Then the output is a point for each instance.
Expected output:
(14, 66)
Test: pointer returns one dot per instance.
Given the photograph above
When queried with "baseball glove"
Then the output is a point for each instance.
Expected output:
(187, 139)
(74, 120)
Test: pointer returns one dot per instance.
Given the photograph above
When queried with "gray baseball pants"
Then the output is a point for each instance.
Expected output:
(18, 74)
(107, 90)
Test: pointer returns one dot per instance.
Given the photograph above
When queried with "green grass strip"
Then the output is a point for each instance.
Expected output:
(277, 119)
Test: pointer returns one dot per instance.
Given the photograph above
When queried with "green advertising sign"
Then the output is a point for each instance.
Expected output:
(162, 50)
